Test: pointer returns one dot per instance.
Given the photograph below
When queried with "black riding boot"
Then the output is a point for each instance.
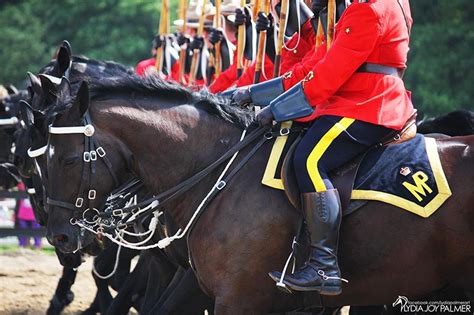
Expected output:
(321, 272)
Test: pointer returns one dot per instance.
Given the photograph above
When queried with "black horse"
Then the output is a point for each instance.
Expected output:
(30, 134)
(79, 68)
(165, 134)
(455, 123)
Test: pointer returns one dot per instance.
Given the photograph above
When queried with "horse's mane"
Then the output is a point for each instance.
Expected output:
(154, 86)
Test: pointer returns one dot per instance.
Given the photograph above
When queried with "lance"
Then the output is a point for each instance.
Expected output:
(240, 45)
(217, 46)
(182, 52)
(162, 32)
(319, 34)
(262, 42)
(281, 36)
(200, 32)
(255, 9)
(331, 22)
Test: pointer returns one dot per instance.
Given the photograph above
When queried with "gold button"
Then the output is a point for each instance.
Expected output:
(287, 75)
(348, 30)
(309, 76)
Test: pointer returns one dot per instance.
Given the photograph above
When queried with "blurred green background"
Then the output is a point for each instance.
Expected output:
(440, 71)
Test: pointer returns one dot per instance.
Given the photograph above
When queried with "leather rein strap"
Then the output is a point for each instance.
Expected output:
(184, 186)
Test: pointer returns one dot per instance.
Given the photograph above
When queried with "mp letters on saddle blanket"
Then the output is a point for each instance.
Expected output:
(407, 175)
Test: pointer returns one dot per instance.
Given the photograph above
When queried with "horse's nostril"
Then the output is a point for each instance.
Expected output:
(61, 238)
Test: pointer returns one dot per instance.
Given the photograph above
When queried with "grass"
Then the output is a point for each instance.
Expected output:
(5, 249)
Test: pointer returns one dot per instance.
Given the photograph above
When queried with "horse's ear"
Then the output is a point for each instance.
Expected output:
(64, 57)
(12, 89)
(48, 85)
(26, 113)
(67, 46)
(81, 102)
(64, 87)
(35, 83)
(40, 122)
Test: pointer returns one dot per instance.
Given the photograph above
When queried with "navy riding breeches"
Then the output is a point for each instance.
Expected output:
(330, 142)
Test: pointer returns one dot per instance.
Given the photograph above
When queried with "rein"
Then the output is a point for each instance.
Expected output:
(184, 186)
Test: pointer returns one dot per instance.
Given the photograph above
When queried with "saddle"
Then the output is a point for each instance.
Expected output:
(343, 177)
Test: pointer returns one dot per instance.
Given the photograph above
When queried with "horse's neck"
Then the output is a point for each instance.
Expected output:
(169, 145)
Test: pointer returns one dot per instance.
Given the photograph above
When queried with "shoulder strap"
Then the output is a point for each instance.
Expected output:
(404, 16)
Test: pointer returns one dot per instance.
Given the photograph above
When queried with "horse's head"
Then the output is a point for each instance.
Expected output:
(31, 135)
(83, 165)
(9, 176)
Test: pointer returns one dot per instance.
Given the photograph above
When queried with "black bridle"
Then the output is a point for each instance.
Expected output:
(93, 151)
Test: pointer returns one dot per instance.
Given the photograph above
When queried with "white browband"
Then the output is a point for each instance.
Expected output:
(87, 130)
(8, 121)
(37, 152)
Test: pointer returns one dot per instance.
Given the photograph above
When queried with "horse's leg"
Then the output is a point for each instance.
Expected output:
(94, 308)
(133, 287)
(123, 268)
(63, 295)
(186, 298)
(179, 274)
(103, 265)
(160, 274)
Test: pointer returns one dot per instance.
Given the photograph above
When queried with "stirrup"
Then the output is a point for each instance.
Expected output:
(280, 284)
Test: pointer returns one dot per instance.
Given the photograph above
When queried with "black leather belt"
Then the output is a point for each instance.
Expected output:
(381, 69)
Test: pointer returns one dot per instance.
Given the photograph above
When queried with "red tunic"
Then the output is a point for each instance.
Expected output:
(249, 73)
(297, 47)
(373, 32)
(143, 65)
(226, 79)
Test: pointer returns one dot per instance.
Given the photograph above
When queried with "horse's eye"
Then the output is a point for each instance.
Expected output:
(71, 160)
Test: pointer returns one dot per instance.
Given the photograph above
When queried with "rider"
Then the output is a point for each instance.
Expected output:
(144, 66)
(299, 48)
(188, 38)
(354, 96)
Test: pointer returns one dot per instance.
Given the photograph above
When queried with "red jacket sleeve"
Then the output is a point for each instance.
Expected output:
(225, 80)
(354, 41)
(297, 47)
(301, 69)
(143, 65)
(249, 74)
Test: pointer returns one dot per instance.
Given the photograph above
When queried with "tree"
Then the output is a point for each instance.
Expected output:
(119, 30)
(439, 68)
